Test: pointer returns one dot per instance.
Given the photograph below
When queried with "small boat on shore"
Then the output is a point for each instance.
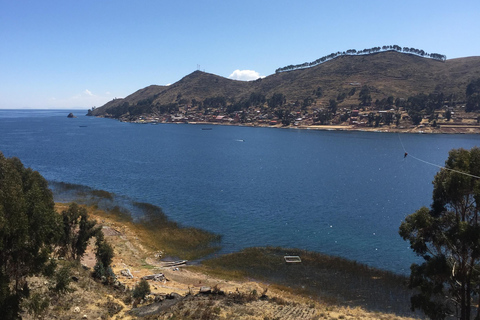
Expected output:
(174, 263)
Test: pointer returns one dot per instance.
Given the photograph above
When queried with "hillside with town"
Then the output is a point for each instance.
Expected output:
(386, 91)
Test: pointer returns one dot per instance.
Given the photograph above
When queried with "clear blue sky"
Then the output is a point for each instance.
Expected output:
(80, 54)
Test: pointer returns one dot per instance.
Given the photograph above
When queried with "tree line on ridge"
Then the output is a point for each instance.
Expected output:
(350, 52)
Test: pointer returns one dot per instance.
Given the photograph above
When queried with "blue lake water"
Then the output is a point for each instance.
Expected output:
(340, 193)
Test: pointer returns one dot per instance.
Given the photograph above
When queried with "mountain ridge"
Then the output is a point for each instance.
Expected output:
(387, 73)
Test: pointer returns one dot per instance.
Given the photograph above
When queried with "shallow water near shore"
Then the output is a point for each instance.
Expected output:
(339, 193)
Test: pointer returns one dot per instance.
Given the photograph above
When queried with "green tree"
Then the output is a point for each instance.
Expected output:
(323, 116)
(256, 99)
(473, 87)
(215, 102)
(364, 96)
(399, 103)
(370, 118)
(104, 251)
(341, 96)
(332, 105)
(194, 103)
(473, 96)
(388, 118)
(307, 102)
(416, 117)
(141, 290)
(29, 230)
(63, 279)
(398, 117)
(104, 254)
(277, 100)
(390, 101)
(448, 115)
(77, 231)
(447, 237)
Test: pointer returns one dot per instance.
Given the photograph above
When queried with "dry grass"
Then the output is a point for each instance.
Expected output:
(170, 238)
(85, 297)
(175, 240)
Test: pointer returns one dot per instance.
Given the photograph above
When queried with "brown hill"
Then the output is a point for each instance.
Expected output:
(387, 73)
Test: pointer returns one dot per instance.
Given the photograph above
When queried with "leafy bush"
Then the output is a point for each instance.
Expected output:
(77, 231)
(99, 270)
(63, 280)
(36, 304)
(104, 254)
(141, 290)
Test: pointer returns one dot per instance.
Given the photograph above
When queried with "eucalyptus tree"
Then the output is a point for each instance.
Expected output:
(277, 100)
(473, 95)
(77, 231)
(332, 106)
(364, 96)
(29, 230)
(447, 237)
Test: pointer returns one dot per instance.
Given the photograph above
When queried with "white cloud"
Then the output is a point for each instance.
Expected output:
(244, 75)
(88, 92)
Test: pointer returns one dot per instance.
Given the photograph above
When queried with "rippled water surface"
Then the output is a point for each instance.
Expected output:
(341, 193)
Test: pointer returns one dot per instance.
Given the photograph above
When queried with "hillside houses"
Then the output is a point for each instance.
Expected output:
(318, 115)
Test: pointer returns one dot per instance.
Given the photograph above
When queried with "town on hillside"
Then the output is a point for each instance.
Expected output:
(386, 91)
(391, 117)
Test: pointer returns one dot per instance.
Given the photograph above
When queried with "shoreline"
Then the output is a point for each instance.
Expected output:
(442, 128)
(326, 279)
(177, 240)
(321, 279)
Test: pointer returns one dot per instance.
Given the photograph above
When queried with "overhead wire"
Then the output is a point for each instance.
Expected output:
(433, 164)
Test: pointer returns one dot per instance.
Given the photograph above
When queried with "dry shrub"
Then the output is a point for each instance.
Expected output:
(112, 308)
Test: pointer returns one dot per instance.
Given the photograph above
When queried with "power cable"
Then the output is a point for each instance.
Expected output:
(433, 164)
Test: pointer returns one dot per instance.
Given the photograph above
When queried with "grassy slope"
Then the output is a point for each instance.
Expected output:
(389, 73)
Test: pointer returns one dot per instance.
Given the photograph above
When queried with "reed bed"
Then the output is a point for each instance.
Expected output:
(333, 279)
(147, 220)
